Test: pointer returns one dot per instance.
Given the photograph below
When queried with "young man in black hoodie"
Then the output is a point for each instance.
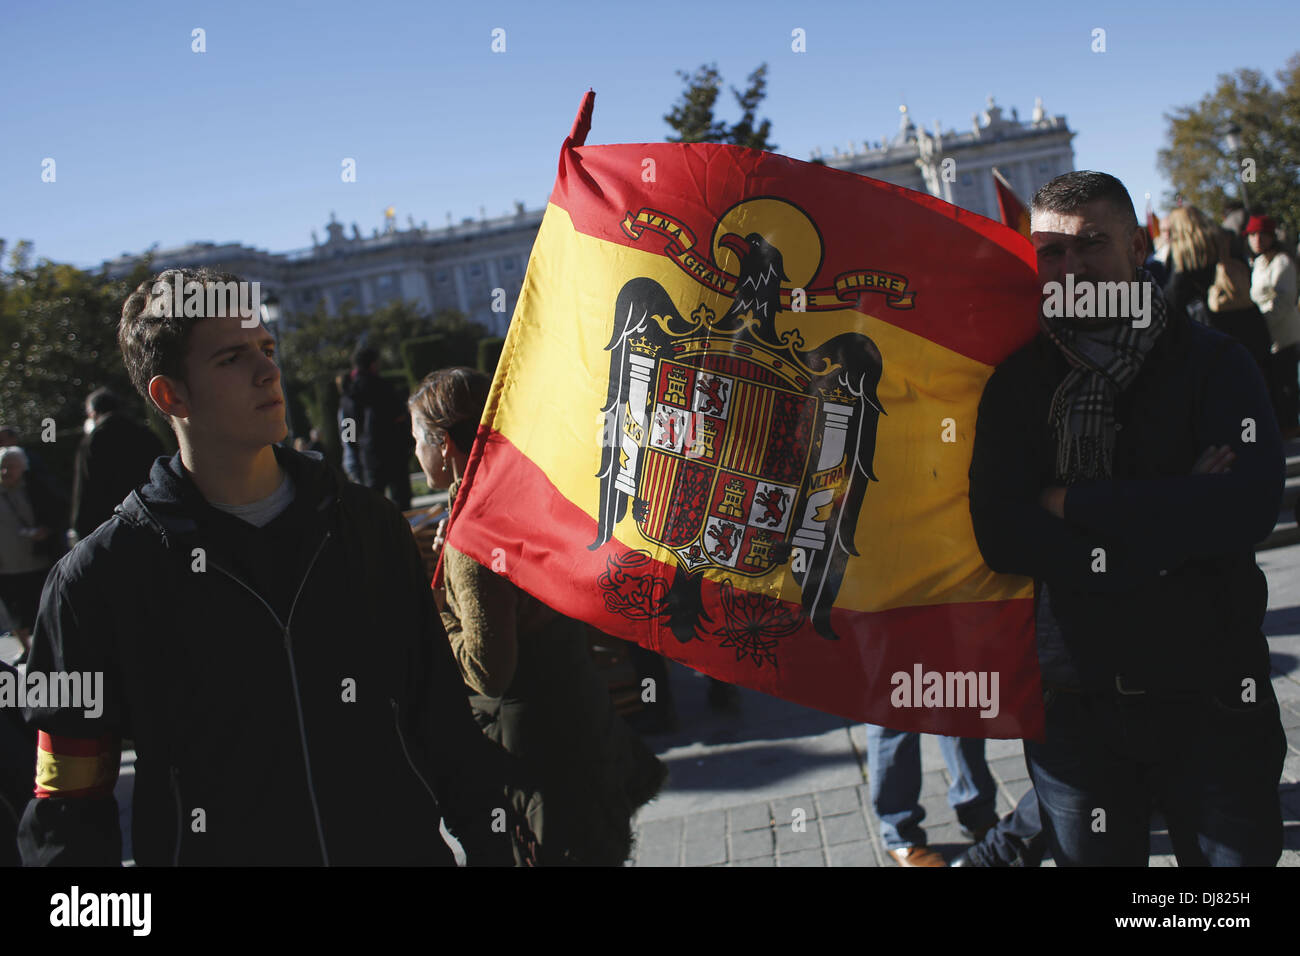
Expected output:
(1129, 463)
(266, 638)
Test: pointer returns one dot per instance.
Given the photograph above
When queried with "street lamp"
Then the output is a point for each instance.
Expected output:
(270, 310)
(1232, 139)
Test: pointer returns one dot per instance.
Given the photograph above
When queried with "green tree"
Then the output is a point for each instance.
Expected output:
(58, 341)
(692, 119)
(744, 133)
(1198, 163)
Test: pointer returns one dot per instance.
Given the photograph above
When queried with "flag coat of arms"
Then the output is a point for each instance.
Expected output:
(732, 421)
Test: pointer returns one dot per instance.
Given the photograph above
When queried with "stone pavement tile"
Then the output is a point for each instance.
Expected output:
(845, 828)
(934, 783)
(1008, 769)
(802, 858)
(706, 851)
(840, 800)
(862, 853)
(998, 749)
(704, 837)
(1162, 859)
(1291, 767)
(705, 824)
(1290, 719)
(659, 843)
(753, 816)
(947, 834)
(755, 861)
(790, 840)
(783, 810)
(752, 843)
(1287, 690)
(938, 812)
(1017, 789)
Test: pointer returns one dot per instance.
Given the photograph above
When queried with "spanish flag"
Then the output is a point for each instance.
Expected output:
(733, 420)
(1012, 210)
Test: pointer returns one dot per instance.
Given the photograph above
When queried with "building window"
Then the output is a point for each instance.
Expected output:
(1043, 167)
(508, 264)
(967, 179)
(476, 270)
(440, 276)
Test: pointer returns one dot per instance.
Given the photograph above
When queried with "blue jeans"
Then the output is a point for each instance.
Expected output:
(894, 766)
(1211, 767)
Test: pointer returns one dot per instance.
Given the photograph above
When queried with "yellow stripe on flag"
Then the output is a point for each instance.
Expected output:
(914, 535)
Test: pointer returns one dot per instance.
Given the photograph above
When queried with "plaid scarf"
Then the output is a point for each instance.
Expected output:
(1103, 362)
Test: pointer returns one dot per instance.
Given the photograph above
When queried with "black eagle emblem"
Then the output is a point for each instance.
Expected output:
(819, 511)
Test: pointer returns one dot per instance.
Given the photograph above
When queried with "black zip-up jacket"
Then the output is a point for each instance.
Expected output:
(292, 682)
(1180, 605)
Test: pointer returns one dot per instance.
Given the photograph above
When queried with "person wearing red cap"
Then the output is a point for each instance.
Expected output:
(1273, 288)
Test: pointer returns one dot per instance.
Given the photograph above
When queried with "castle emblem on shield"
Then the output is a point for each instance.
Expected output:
(733, 444)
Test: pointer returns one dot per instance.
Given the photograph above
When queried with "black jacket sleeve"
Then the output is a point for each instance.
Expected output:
(1201, 516)
(472, 776)
(76, 822)
(1015, 534)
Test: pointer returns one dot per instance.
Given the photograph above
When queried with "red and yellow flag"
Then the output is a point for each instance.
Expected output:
(733, 419)
(1012, 210)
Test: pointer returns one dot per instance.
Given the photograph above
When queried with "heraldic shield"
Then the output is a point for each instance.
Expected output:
(739, 451)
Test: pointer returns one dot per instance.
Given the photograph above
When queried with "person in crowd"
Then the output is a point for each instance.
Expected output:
(894, 772)
(37, 470)
(32, 526)
(347, 422)
(1208, 285)
(17, 765)
(222, 605)
(382, 429)
(534, 687)
(1130, 465)
(1234, 222)
(1273, 288)
(114, 456)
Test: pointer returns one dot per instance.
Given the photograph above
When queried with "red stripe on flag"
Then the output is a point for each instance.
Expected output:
(74, 746)
(890, 227)
(543, 538)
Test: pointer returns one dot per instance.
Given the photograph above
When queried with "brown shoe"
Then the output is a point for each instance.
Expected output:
(917, 856)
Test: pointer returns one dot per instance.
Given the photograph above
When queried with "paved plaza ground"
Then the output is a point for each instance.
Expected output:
(736, 781)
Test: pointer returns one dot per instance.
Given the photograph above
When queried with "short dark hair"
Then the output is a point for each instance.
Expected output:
(103, 400)
(365, 356)
(153, 340)
(452, 399)
(1072, 191)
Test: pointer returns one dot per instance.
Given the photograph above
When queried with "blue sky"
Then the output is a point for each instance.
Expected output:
(156, 143)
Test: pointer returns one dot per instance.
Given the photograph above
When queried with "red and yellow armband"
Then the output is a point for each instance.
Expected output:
(76, 766)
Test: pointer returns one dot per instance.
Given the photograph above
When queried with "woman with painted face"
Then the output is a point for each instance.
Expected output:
(533, 687)
(1273, 287)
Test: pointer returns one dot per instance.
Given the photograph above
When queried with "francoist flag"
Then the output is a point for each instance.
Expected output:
(1010, 208)
(732, 421)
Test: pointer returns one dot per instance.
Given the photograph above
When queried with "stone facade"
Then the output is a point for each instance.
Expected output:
(1028, 154)
(461, 266)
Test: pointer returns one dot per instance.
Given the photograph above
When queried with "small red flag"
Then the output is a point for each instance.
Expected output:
(1012, 210)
